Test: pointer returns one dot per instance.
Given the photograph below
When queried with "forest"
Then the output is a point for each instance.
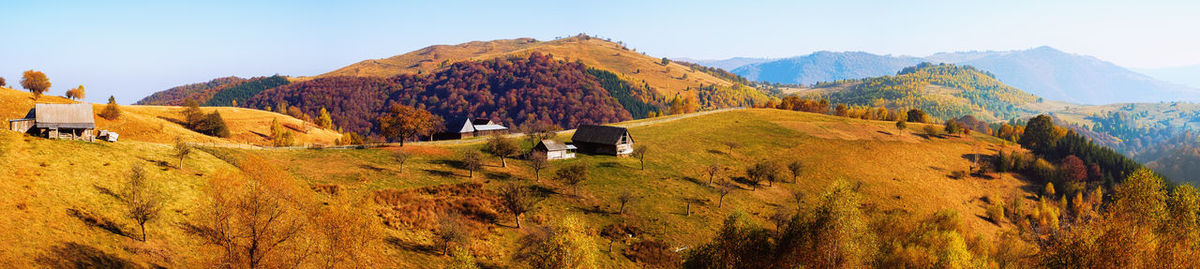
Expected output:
(199, 92)
(972, 91)
(237, 94)
(514, 91)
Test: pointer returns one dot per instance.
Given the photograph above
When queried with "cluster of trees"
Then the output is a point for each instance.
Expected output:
(76, 93)
(199, 92)
(716, 72)
(641, 102)
(237, 93)
(111, 110)
(1043, 138)
(209, 124)
(514, 91)
(908, 89)
(715, 96)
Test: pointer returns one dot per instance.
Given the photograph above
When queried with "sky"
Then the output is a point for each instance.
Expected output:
(131, 49)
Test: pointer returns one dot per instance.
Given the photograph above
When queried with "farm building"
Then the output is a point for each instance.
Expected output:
(554, 150)
(58, 121)
(608, 140)
(468, 127)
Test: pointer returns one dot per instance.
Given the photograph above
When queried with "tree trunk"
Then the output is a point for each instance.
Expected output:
(721, 201)
(710, 179)
(143, 224)
(688, 211)
(518, 218)
(471, 173)
(622, 210)
(502, 162)
(643, 161)
(610, 242)
(537, 175)
(181, 161)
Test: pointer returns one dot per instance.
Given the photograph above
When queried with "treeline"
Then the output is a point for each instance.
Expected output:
(716, 72)
(199, 92)
(981, 91)
(239, 93)
(641, 102)
(516, 91)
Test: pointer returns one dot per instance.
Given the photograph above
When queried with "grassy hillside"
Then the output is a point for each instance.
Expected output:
(898, 171)
(633, 66)
(158, 124)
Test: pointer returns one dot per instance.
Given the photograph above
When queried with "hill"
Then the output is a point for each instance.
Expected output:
(825, 66)
(637, 68)
(726, 64)
(159, 124)
(1042, 71)
(943, 90)
(217, 92)
(64, 214)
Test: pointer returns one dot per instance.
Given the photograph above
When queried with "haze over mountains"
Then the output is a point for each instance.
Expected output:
(1043, 71)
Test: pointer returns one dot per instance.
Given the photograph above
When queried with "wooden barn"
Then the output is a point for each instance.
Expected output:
(58, 121)
(607, 140)
(469, 127)
(554, 150)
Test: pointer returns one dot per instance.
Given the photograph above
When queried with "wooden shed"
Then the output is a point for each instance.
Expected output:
(58, 121)
(554, 150)
(607, 140)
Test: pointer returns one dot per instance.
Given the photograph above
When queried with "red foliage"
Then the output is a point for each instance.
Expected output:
(514, 91)
(1074, 169)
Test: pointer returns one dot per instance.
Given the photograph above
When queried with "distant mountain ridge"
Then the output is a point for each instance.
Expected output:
(1043, 71)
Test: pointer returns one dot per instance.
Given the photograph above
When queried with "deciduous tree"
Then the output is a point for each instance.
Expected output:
(572, 175)
(538, 162)
(403, 122)
(76, 93)
(142, 201)
(624, 198)
(639, 152)
(36, 82)
(111, 110)
(502, 147)
(795, 167)
(1074, 169)
(182, 150)
(471, 161)
(323, 119)
(517, 200)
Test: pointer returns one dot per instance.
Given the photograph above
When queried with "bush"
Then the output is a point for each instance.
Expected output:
(653, 253)
(932, 131)
(995, 212)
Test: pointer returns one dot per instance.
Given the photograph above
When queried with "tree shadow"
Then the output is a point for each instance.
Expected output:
(159, 163)
(609, 164)
(414, 247)
(373, 168)
(98, 221)
(717, 152)
(108, 192)
(542, 191)
(696, 180)
(498, 175)
(75, 255)
(172, 120)
(439, 173)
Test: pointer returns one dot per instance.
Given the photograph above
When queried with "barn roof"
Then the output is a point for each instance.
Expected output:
(468, 125)
(64, 116)
(553, 145)
(607, 135)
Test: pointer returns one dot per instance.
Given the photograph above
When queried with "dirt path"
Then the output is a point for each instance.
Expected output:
(476, 139)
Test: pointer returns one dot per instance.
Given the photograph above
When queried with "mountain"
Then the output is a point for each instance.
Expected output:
(199, 92)
(1056, 75)
(1043, 71)
(727, 64)
(1185, 75)
(825, 66)
(943, 90)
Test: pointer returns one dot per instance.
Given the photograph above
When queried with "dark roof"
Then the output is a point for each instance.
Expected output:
(552, 145)
(64, 116)
(597, 134)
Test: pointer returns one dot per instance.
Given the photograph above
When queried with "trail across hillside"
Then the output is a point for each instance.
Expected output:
(643, 122)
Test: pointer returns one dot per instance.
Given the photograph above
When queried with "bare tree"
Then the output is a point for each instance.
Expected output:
(401, 157)
(142, 202)
(471, 161)
(451, 232)
(182, 149)
(538, 162)
(795, 167)
(732, 145)
(724, 187)
(518, 200)
(639, 152)
(799, 197)
(762, 171)
(625, 198)
(712, 171)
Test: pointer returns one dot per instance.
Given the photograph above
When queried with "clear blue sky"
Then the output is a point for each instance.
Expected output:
(131, 49)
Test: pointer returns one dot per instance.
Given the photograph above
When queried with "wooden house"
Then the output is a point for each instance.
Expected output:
(58, 121)
(607, 140)
(554, 150)
(469, 127)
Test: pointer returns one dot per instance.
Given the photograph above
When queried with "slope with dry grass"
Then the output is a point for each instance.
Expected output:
(160, 124)
(895, 170)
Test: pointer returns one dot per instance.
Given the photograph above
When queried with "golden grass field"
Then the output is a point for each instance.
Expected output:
(157, 123)
(897, 170)
(594, 52)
